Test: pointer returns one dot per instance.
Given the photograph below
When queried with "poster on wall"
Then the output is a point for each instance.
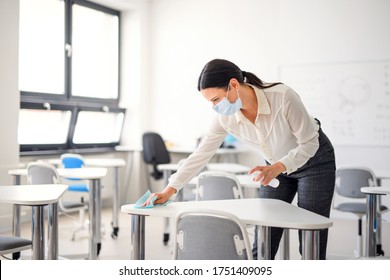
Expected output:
(352, 100)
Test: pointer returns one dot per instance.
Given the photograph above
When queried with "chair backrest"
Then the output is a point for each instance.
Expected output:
(210, 235)
(349, 180)
(216, 185)
(69, 160)
(42, 173)
(154, 150)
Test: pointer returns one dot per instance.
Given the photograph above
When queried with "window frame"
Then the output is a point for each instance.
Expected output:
(66, 101)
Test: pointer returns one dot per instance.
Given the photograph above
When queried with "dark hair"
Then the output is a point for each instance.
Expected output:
(218, 72)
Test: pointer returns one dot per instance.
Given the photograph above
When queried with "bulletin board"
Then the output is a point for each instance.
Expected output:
(352, 100)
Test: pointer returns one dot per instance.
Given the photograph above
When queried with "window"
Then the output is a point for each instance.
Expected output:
(68, 76)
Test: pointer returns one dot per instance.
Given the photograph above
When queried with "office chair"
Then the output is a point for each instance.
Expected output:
(216, 185)
(13, 245)
(349, 181)
(70, 160)
(210, 235)
(154, 152)
(44, 173)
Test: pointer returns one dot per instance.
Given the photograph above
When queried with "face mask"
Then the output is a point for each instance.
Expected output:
(224, 106)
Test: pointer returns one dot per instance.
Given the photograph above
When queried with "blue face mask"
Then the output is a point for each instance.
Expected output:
(224, 106)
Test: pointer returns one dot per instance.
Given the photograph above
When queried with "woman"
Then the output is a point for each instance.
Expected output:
(272, 118)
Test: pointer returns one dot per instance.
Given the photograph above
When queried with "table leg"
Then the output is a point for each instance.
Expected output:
(16, 211)
(94, 219)
(137, 237)
(52, 237)
(310, 244)
(371, 220)
(129, 169)
(263, 243)
(38, 232)
(115, 205)
(166, 175)
(16, 218)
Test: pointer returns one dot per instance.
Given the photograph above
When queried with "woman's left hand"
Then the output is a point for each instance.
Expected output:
(267, 172)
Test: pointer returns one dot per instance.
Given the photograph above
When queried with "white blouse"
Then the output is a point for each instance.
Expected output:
(283, 131)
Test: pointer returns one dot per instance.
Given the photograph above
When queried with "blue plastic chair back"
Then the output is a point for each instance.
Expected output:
(74, 162)
(70, 162)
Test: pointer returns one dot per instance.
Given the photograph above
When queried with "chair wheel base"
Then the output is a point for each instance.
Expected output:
(166, 238)
(114, 233)
(99, 247)
(379, 251)
(16, 256)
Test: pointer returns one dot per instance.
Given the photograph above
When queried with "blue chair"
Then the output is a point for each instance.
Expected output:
(70, 160)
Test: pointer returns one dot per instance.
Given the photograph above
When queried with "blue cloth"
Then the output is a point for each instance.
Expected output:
(144, 198)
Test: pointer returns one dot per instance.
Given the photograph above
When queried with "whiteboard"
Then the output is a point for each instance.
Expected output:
(352, 100)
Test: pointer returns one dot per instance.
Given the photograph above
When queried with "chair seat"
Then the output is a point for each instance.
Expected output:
(78, 188)
(10, 243)
(356, 208)
(72, 204)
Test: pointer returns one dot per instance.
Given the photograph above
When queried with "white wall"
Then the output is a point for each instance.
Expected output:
(9, 95)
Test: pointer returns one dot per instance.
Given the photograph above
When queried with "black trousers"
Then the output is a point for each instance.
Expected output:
(314, 184)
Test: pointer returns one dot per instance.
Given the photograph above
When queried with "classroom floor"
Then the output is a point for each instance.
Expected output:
(119, 248)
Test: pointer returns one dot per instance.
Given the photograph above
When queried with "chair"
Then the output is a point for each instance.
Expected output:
(70, 160)
(210, 235)
(44, 173)
(216, 185)
(14, 245)
(154, 152)
(349, 181)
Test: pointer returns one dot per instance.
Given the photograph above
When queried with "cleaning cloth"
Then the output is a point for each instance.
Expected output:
(142, 200)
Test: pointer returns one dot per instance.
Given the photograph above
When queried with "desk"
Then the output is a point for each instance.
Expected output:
(94, 174)
(37, 196)
(169, 168)
(265, 213)
(245, 181)
(371, 220)
(115, 163)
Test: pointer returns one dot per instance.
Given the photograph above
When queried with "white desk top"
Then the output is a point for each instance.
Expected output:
(225, 167)
(254, 211)
(376, 190)
(32, 194)
(246, 181)
(86, 173)
(97, 162)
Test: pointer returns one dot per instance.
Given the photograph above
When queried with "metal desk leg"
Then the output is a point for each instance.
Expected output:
(137, 237)
(310, 244)
(16, 218)
(129, 170)
(16, 211)
(94, 220)
(115, 205)
(38, 232)
(370, 225)
(263, 243)
(52, 235)
(166, 174)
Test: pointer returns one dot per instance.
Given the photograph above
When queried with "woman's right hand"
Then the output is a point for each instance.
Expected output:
(162, 197)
